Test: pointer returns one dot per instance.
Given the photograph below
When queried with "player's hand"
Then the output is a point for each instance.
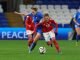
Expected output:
(19, 13)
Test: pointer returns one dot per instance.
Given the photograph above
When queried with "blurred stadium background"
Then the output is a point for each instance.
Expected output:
(12, 26)
(13, 44)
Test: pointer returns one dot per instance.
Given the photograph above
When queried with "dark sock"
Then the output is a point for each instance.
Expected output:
(77, 37)
(51, 45)
(32, 46)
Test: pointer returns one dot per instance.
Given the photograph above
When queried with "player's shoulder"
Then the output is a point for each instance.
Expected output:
(39, 13)
(76, 14)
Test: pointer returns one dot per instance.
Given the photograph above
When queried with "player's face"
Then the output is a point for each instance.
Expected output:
(46, 18)
(33, 12)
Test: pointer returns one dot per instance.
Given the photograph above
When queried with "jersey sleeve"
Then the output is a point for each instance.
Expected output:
(56, 25)
(54, 22)
(25, 17)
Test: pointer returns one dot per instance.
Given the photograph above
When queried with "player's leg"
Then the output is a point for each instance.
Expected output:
(47, 39)
(38, 35)
(30, 40)
(52, 35)
(49, 43)
(77, 28)
(30, 37)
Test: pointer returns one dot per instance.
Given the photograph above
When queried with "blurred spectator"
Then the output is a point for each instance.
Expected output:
(1, 10)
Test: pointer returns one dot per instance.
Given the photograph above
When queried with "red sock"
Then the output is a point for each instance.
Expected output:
(56, 45)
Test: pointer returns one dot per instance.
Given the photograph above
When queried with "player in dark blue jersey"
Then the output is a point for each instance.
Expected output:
(77, 25)
(36, 16)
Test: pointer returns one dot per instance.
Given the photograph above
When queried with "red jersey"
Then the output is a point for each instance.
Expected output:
(29, 23)
(48, 25)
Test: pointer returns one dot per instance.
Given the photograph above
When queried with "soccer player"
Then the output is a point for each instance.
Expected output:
(47, 25)
(36, 17)
(29, 29)
(29, 24)
(77, 25)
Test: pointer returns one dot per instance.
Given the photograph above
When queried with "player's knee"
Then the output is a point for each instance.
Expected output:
(38, 34)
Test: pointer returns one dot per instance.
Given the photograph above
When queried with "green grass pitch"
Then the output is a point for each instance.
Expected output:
(18, 50)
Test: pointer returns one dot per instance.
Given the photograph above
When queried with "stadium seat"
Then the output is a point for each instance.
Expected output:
(60, 25)
(50, 6)
(29, 6)
(64, 6)
(3, 20)
(73, 11)
(66, 26)
(43, 6)
(60, 13)
(44, 10)
(57, 7)
(22, 6)
(37, 6)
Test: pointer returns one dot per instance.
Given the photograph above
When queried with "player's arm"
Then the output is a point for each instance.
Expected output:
(19, 13)
(56, 26)
(28, 21)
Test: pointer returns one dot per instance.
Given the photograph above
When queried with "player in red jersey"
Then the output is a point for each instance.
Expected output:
(48, 32)
(29, 26)
(29, 29)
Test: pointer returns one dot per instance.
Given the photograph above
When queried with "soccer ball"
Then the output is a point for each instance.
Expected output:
(42, 50)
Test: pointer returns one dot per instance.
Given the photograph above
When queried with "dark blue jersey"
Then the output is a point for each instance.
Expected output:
(77, 17)
(37, 17)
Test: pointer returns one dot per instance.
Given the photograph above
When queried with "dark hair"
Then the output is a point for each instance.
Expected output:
(34, 8)
(46, 14)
